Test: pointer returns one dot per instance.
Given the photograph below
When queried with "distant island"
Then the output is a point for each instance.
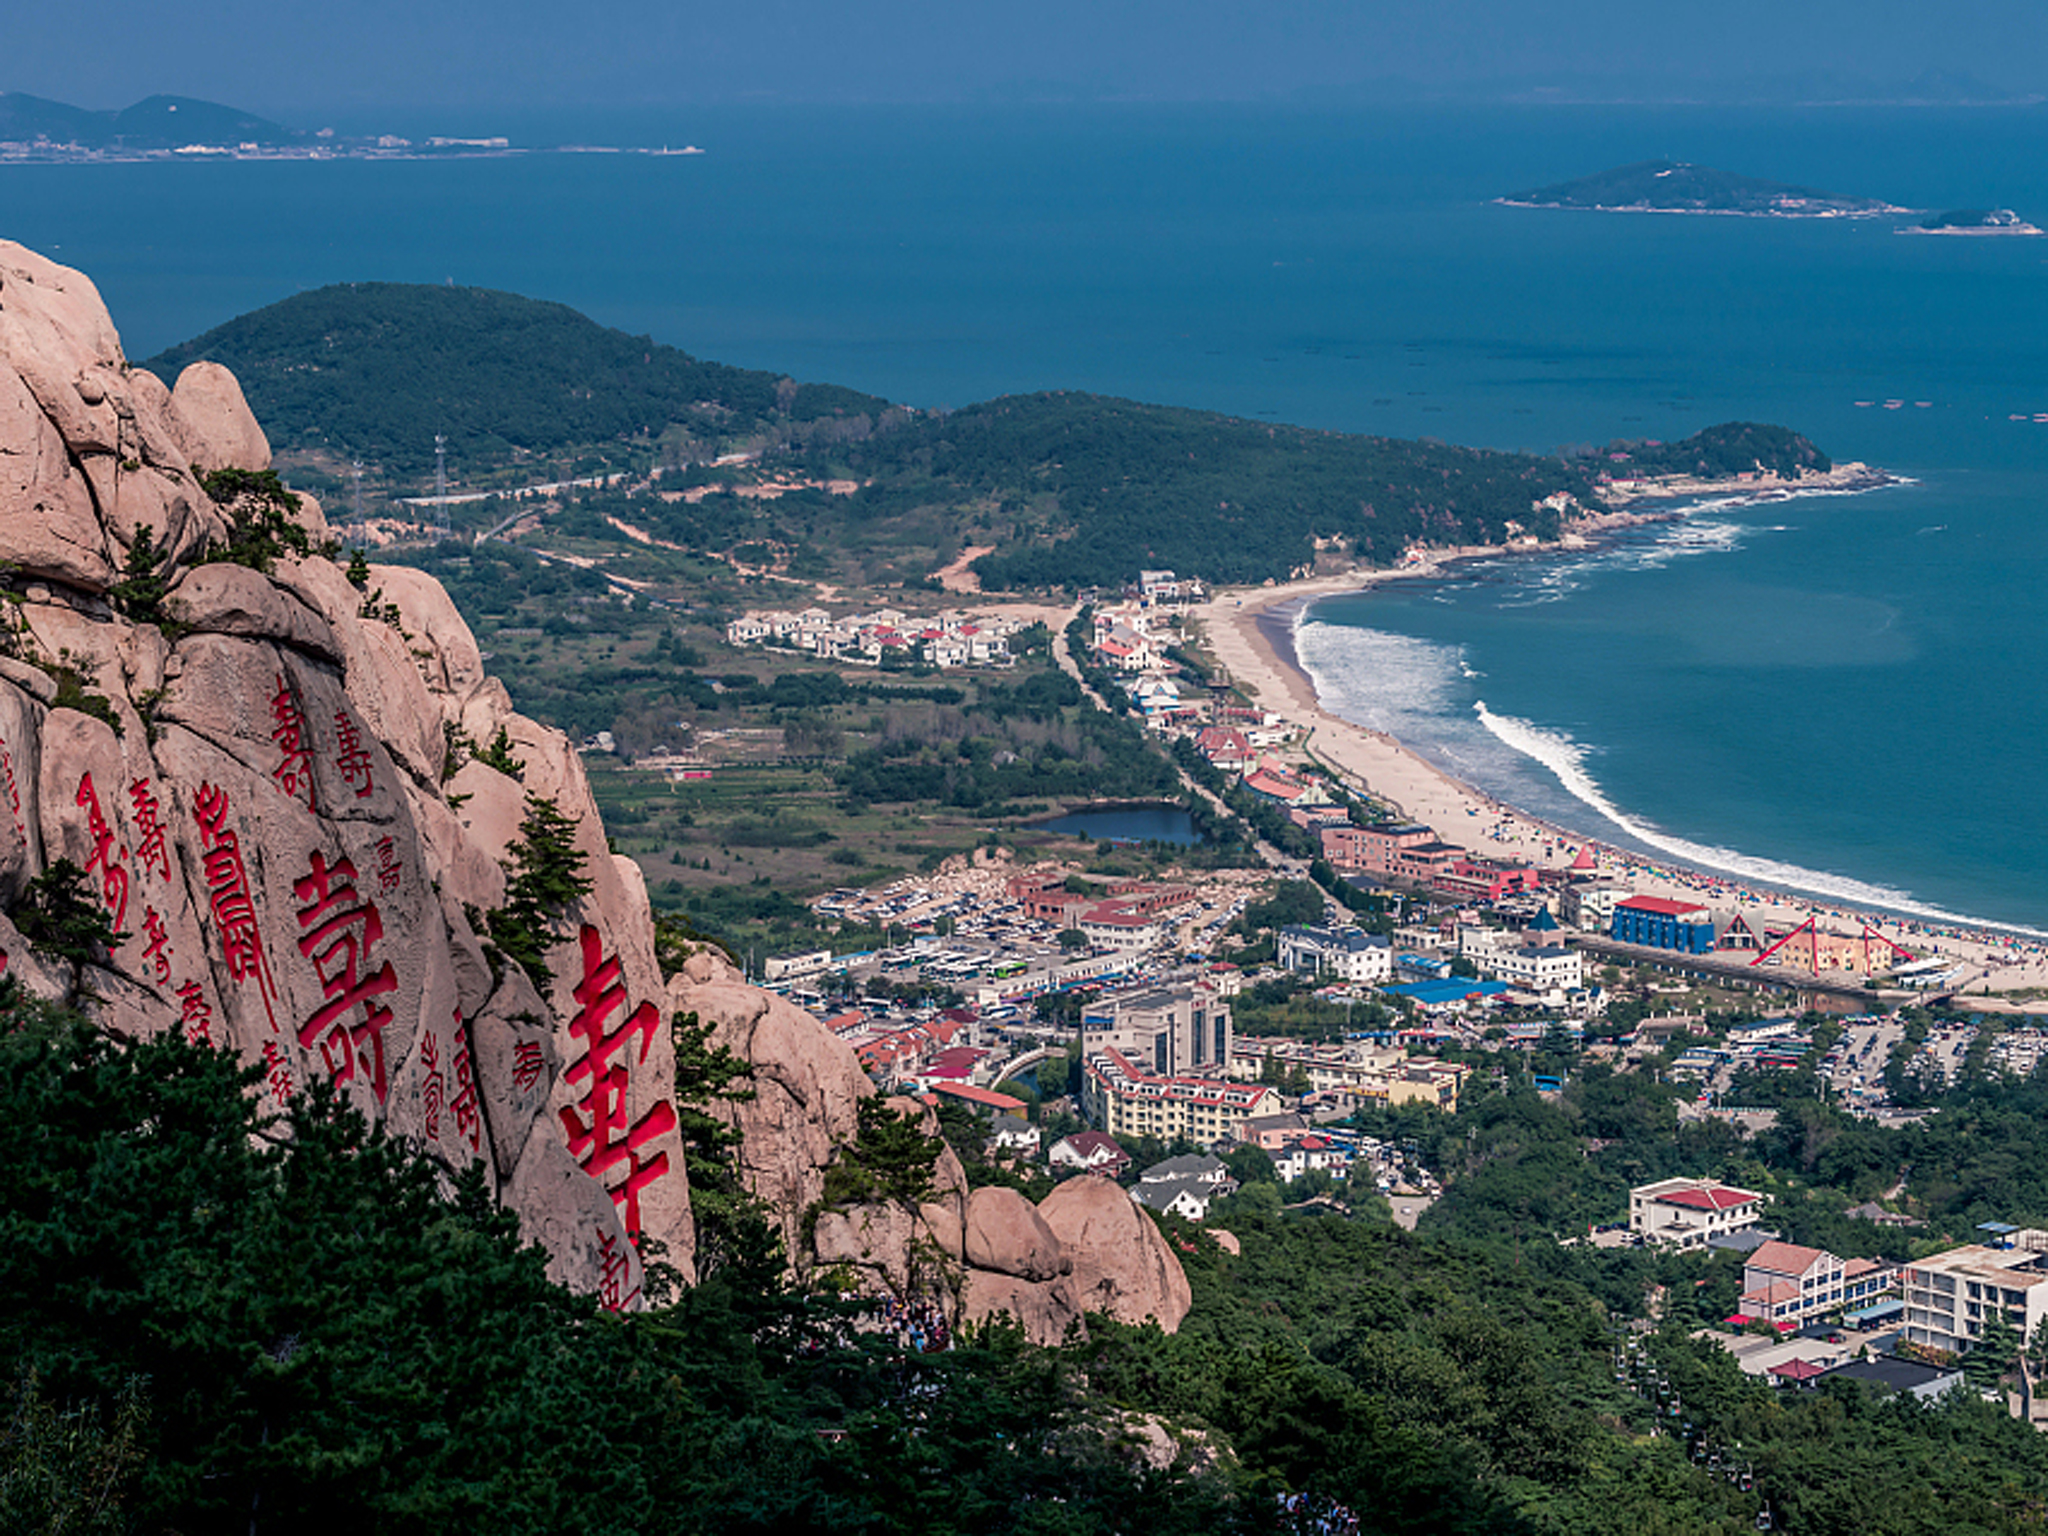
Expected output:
(1972, 221)
(1672, 186)
(184, 128)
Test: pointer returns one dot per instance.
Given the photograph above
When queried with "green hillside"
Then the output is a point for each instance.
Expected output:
(374, 370)
(1070, 490)
(1733, 448)
(1091, 490)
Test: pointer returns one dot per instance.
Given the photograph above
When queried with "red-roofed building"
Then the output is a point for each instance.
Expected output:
(1091, 1152)
(1799, 1371)
(1225, 747)
(1127, 1100)
(981, 1100)
(1686, 1212)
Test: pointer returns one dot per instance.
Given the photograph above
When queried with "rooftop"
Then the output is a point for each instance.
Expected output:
(1663, 906)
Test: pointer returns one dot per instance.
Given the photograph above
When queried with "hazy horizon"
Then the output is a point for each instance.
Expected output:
(304, 69)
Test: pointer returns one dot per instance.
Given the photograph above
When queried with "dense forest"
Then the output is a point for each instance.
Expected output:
(373, 371)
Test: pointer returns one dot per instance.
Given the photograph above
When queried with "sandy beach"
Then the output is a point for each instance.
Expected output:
(1247, 631)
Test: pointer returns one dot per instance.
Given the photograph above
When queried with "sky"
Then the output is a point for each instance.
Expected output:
(303, 65)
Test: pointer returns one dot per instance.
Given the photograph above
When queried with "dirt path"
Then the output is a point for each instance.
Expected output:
(955, 577)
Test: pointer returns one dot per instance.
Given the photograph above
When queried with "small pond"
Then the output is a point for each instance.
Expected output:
(1128, 824)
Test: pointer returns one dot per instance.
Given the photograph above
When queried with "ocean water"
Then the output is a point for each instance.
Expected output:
(1841, 694)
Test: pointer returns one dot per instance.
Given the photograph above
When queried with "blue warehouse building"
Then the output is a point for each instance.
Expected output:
(1660, 923)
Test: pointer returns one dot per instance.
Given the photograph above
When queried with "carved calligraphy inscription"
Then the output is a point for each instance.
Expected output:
(602, 1138)
(338, 930)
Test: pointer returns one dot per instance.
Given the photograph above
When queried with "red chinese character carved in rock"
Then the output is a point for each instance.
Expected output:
(294, 770)
(195, 1013)
(527, 1065)
(13, 790)
(150, 852)
(433, 1091)
(615, 1265)
(106, 858)
(352, 762)
(338, 938)
(469, 1123)
(388, 873)
(158, 952)
(600, 1136)
(279, 1075)
(234, 909)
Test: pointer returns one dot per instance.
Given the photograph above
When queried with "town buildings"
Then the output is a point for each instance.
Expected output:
(1167, 1030)
(1128, 1100)
(945, 640)
(1363, 1070)
(1789, 1284)
(1658, 922)
(1090, 1152)
(1183, 1185)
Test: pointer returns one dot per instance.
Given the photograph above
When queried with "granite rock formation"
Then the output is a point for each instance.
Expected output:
(253, 778)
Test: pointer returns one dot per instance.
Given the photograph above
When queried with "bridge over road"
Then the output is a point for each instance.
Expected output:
(1734, 968)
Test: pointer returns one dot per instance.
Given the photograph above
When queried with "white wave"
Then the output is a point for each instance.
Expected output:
(1385, 682)
(1566, 760)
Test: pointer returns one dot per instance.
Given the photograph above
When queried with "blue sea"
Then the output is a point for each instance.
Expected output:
(1840, 695)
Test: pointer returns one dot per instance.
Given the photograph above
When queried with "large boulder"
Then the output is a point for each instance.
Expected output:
(1122, 1266)
(214, 423)
(1006, 1234)
(90, 450)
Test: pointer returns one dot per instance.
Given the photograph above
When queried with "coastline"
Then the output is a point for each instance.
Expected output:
(1250, 632)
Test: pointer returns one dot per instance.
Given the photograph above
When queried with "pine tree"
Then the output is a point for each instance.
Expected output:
(139, 594)
(544, 878)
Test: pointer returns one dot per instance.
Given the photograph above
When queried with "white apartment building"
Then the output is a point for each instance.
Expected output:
(1686, 1212)
(1950, 1296)
(1348, 954)
(1539, 968)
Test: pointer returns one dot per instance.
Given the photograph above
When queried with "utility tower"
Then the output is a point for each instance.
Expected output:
(440, 486)
(358, 523)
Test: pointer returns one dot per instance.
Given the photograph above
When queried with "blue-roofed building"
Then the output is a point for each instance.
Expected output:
(1457, 992)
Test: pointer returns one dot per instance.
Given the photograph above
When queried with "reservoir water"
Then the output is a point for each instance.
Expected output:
(1128, 824)
(1846, 693)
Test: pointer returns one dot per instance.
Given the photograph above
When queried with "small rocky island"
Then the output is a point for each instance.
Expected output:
(1672, 186)
(1972, 221)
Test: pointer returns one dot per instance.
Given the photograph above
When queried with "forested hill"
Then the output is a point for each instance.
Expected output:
(373, 371)
(1733, 448)
(1092, 489)
(156, 122)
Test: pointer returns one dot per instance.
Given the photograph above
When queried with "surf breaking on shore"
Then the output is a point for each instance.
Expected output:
(1254, 635)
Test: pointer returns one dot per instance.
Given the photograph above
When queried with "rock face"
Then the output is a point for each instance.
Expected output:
(1086, 1248)
(259, 803)
(257, 781)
